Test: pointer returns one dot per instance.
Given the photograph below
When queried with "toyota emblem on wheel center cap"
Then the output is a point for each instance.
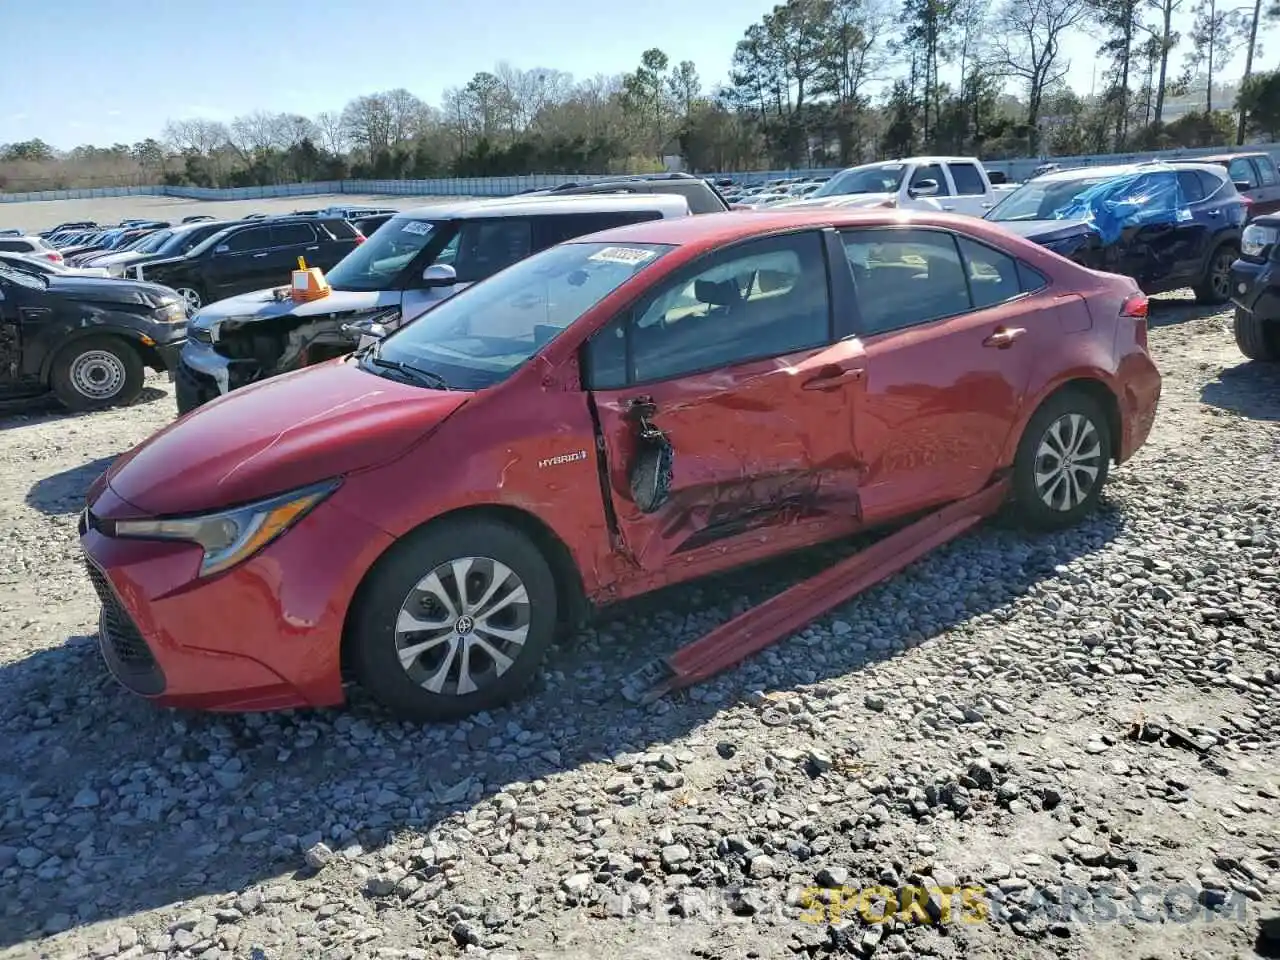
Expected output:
(464, 625)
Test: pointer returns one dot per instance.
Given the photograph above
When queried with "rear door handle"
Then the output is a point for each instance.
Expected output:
(834, 378)
(257, 255)
(313, 248)
(1003, 338)
(948, 209)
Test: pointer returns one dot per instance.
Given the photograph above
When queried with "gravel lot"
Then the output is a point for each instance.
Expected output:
(41, 215)
(1083, 717)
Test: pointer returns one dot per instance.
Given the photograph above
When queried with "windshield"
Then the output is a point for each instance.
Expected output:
(881, 178)
(480, 336)
(375, 264)
(152, 243)
(1041, 199)
(209, 242)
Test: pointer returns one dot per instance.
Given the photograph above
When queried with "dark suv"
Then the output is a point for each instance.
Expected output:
(702, 197)
(1255, 289)
(252, 255)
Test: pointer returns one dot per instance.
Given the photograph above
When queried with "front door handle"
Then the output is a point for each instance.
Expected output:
(948, 209)
(832, 378)
(1003, 338)
(257, 255)
(313, 248)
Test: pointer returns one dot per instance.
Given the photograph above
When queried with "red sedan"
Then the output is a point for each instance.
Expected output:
(613, 415)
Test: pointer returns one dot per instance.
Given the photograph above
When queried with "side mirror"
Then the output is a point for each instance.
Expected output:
(1243, 185)
(439, 275)
(925, 188)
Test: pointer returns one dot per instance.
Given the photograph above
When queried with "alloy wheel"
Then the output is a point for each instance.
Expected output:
(1068, 461)
(1220, 275)
(192, 298)
(97, 374)
(462, 626)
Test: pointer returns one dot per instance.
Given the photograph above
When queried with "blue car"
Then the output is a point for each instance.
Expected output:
(1167, 227)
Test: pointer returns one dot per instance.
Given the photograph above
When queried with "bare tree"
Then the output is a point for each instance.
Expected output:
(1028, 47)
(199, 135)
(332, 132)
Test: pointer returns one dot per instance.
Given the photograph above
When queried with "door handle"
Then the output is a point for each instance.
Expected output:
(1003, 338)
(314, 248)
(257, 255)
(834, 377)
(948, 209)
(1214, 213)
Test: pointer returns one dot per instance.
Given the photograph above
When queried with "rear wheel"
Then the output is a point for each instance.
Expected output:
(1258, 339)
(1215, 287)
(97, 372)
(457, 619)
(1062, 462)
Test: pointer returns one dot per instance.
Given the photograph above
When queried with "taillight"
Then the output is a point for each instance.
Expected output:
(1136, 308)
(54, 256)
(360, 238)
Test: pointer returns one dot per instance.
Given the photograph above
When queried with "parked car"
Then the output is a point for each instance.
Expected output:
(30, 246)
(351, 212)
(251, 255)
(1255, 289)
(38, 264)
(420, 258)
(949, 184)
(70, 225)
(117, 239)
(701, 196)
(1254, 176)
(368, 225)
(612, 415)
(1168, 227)
(87, 340)
(198, 218)
(161, 245)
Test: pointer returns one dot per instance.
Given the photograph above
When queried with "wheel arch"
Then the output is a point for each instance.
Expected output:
(570, 591)
(130, 337)
(1097, 389)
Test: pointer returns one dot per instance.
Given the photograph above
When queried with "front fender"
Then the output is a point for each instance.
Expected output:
(135, 330)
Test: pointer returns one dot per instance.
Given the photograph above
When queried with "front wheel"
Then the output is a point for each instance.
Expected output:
(1215, 287)
(1257, 338)
(97, 372)
(455, 620)
(1062, 462)
(192, 296)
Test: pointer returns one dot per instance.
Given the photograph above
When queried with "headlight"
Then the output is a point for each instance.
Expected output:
(174, 311)
(1256, 239)
(231, 536)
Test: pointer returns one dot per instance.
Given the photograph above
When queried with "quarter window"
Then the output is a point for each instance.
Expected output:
(993, 276)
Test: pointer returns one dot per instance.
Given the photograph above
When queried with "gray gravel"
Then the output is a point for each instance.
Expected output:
(1064, 721)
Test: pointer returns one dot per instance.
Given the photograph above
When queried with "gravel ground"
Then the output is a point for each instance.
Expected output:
(43, 214)
(1081, 728)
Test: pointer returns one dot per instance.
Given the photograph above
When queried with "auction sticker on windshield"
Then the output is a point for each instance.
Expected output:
(625, 255)
(416, 227)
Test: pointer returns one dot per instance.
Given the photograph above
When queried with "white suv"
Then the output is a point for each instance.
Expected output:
(31, 246)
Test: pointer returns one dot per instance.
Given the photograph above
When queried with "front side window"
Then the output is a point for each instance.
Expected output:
(765, 298)
(1241, 171)
(258, 238)
(931, 172)
(481, 335)
(487, 246)
(905, 277)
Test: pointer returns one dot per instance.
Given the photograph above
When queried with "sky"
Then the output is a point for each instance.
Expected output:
(113, 71)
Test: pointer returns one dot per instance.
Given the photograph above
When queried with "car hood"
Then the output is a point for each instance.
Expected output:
(109, 290)
(276, 435)
(1045, 232)
(262, 305)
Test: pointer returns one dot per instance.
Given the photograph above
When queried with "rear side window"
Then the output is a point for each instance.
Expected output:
(259, 238)
(1211, 183)
(993, 276)
(292, 235)
(548, 231)
(15, 246)
(1191, 186)
(1242, 171)
(968, 180)
(905, 277)
(1267, 171)
(487, 246)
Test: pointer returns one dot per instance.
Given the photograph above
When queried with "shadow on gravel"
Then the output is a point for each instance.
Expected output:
(1251, 389)
(1166, 313)
(111, 806)
(47, 409)
(63, 493)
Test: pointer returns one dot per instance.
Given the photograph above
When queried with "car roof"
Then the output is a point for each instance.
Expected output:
(671, 204)
(206, 224)
(715, 229)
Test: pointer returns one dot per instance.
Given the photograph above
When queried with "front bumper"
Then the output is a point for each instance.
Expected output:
(265, 635)
(202, 374)
(1255, 288)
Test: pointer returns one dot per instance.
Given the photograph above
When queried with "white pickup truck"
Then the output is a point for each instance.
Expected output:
(953, 184)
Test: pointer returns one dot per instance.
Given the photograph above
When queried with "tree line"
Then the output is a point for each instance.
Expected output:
(814, 83)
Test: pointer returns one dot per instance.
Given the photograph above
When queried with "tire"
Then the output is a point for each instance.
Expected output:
(1047, 505)
(1258, 339)
(94, 373)
(1215, 287)
(417, 574)
(193, 295)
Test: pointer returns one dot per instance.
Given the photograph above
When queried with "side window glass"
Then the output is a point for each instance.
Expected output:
(487, 246)
(765, 298)
(993, 276)
(905, 277)
(1189, 183)
(1266, 171)
(968, 180)
(931, 172)
(292, 235)
(1210, 183)
(1030, 279)
(258, 238)
(1242, 170)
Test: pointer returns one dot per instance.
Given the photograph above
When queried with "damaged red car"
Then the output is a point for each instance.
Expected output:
(613, 415)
